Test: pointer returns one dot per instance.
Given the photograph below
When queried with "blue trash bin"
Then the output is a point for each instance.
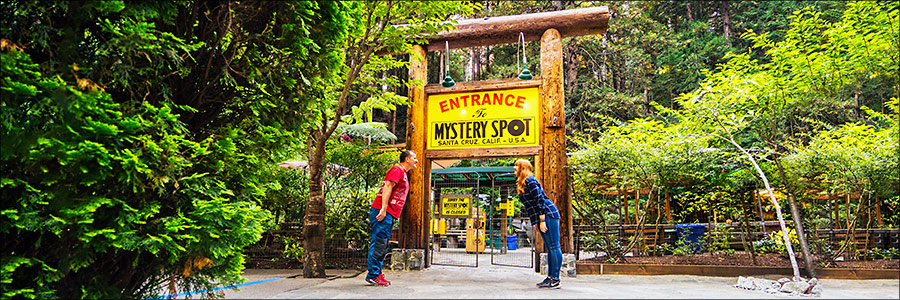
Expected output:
(512, 242)
(692, 236)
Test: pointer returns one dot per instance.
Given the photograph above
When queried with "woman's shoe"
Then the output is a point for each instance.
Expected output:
(545, 283)
(554, 283)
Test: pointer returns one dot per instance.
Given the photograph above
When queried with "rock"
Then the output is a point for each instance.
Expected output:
(741, 282)
(398, 260)
(813, 281)
(794, 287)
(415, 260)
(782, 281)
(816, 290)
(762, 284)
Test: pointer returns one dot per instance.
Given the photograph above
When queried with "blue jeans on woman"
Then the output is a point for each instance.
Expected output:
(378, 241)
(551, 243)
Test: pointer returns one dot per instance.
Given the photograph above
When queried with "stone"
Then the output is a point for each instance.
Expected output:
(398, 260)
(782, 281)
(744, 282)
(794, 287)
(415, 260)
(762, 284)
(813, 281)
(816, 290)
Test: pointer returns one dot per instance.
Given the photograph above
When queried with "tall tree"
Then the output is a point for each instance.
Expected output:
(378, 27)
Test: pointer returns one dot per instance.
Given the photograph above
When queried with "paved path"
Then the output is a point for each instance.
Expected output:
(494, 282)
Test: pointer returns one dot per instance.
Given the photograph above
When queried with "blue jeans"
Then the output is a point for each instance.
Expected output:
(378, 241)
(551, 243)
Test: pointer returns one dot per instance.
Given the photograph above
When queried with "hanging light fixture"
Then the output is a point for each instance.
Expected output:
(448, 81)
(526, 74)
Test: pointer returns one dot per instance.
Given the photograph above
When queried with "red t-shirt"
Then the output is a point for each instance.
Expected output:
(397, 175)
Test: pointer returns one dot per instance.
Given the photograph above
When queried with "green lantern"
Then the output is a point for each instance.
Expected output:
(448, 81)
(526, 74)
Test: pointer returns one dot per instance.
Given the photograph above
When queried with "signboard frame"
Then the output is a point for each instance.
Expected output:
(455, 196)
(484, 118)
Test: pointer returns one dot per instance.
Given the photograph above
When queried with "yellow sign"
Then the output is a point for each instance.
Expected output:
(510, 208)
(484, 119)
(455, 205)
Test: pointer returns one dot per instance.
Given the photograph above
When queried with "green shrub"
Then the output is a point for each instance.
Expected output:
(717, 240)
(103, 199)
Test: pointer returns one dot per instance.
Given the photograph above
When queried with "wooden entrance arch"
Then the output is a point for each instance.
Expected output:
(550, 155)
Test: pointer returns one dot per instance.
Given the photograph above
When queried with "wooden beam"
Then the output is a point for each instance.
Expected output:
(505, 29)
(473, 86)
(553, 158)
(483, 152)
(412, 219)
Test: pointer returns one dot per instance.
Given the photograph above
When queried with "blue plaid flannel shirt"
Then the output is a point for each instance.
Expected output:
(536, 201)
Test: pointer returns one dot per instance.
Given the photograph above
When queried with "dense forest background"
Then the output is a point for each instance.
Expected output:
(653, 51)
(142, 140)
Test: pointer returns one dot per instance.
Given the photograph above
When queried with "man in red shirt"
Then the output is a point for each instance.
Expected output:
(383, 213)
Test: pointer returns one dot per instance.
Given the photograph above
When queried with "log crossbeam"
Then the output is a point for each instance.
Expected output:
(506, 29)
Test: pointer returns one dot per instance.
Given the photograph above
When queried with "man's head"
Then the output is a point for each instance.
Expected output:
(408, 159)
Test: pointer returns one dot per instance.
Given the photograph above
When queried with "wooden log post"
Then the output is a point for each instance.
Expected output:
(624, 206)
(637, 207)
(668, 207)
(553, 157)
(878, 210)
(413, 232)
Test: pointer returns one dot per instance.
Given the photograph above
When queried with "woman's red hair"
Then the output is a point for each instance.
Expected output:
(523, 172)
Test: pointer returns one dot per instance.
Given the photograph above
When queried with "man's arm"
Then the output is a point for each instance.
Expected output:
(387, 190)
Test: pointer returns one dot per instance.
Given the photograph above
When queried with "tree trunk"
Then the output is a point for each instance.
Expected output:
(690, 14)
(314, 219)
(784, 232)
(801, 235)
(771, 192)
(726, 20)
(798, 222)
(745, 228)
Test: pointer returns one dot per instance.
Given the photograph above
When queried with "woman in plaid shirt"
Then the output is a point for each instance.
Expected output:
(545, 217)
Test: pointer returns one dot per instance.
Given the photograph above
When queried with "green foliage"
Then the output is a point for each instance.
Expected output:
(774, 242)
(854, 157)
(293, 248)
(878, 253)
(88, 177)
(608, 244)
(350, 192)
(716, 240)
(138, 137)
(681, 248)
(286, 193)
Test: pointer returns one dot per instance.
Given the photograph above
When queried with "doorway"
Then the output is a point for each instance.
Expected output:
(475, 211)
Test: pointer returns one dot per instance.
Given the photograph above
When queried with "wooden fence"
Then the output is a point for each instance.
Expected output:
(659, 234)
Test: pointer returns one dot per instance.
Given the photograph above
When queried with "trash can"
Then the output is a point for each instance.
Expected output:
(691, 235)
(511, 242)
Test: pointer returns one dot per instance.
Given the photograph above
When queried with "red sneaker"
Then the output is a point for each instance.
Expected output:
(381, 281)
